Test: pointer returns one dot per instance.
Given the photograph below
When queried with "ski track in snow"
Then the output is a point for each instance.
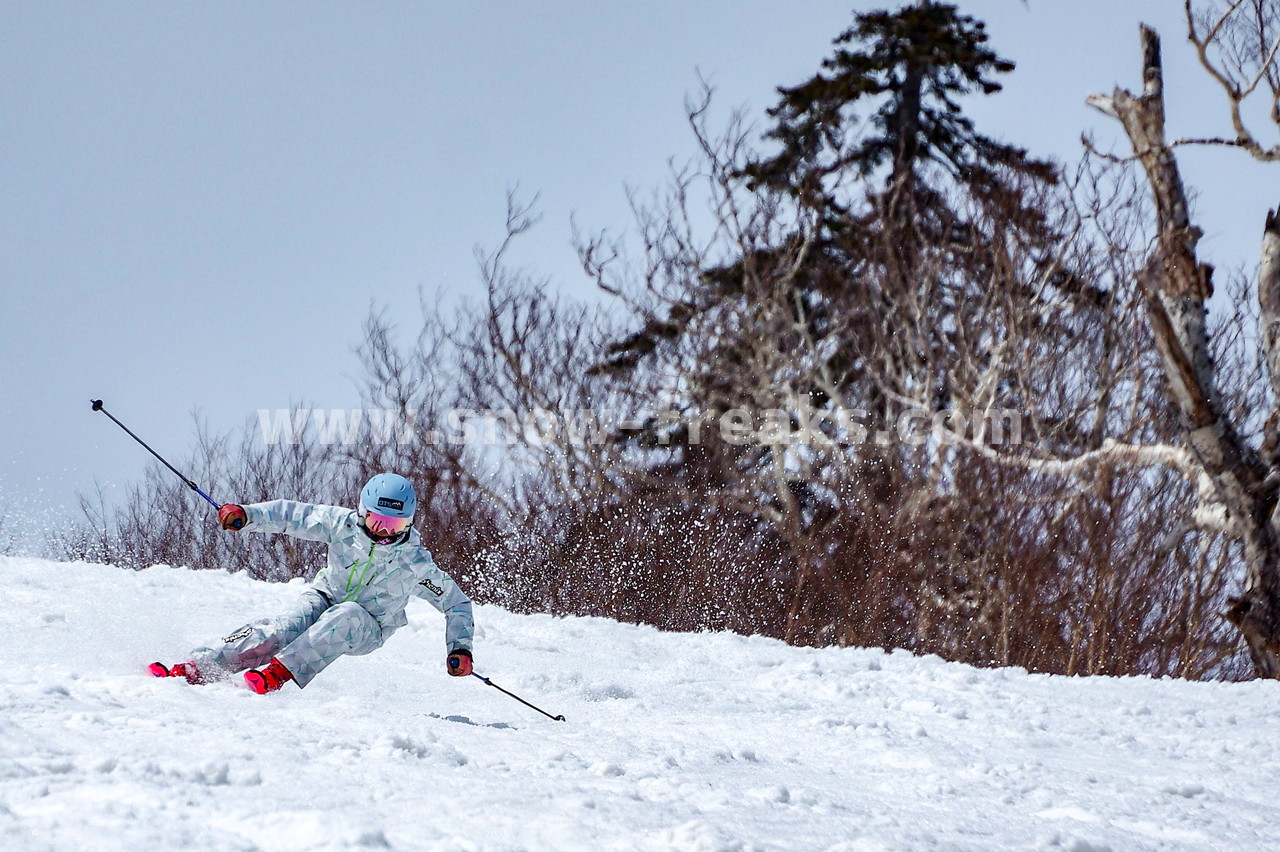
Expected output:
(673, 741)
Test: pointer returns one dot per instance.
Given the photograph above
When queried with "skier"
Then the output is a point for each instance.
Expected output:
(376, 560)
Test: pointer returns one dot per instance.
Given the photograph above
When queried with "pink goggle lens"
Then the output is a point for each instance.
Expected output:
(385, 526)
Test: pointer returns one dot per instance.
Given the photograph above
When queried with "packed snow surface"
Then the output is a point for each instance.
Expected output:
(673, 741)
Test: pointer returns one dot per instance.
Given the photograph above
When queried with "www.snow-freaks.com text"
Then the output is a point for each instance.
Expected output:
(801, 425)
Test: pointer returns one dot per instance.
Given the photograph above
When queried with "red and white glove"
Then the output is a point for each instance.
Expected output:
(232, 517)
(458, 663)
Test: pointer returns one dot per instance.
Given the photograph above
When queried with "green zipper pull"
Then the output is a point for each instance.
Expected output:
(359, 577)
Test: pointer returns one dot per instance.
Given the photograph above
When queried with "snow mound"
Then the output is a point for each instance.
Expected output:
(673, 741)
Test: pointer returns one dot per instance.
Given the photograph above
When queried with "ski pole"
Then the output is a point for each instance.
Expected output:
(97, 406)
(518, 698)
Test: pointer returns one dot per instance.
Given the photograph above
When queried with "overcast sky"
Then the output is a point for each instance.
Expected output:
(199, 202)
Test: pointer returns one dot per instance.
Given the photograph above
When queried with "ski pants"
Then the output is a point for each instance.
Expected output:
(306, 638)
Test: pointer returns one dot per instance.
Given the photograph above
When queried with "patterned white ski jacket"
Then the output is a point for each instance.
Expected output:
(378, 577)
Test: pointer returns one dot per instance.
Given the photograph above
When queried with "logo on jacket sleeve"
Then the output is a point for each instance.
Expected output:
(242, 633)
(431, 587)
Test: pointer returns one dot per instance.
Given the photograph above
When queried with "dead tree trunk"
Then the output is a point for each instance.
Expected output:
(1177, 285)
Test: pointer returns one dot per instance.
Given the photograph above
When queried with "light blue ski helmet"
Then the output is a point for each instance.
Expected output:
(389, 494)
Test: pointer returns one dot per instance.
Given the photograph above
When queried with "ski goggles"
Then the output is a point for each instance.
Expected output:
(385, 526)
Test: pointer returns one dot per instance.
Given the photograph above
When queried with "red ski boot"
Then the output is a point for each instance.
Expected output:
(269, 679)
(187, 670)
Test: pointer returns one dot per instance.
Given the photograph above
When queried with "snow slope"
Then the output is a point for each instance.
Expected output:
(674, 741)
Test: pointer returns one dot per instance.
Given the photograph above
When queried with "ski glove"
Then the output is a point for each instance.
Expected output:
(459, 662)
(231, 516)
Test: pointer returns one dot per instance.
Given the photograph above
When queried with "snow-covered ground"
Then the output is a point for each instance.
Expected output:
(673, 741)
